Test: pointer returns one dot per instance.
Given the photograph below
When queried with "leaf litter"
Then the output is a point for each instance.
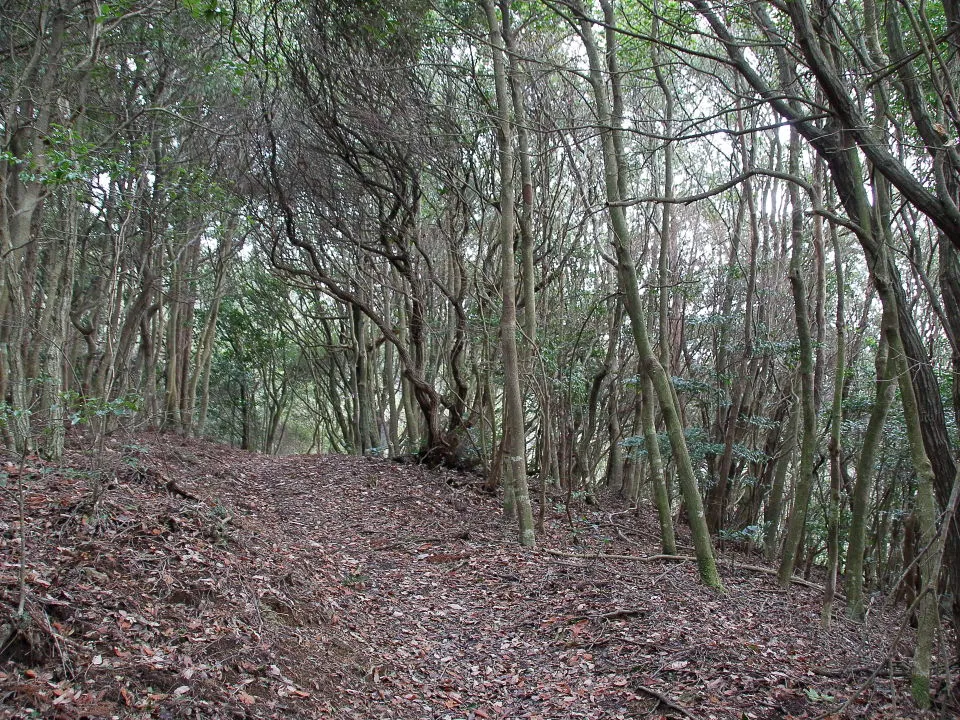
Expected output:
(214, 583)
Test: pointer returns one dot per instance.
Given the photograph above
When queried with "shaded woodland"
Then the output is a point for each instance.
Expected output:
(700, 257)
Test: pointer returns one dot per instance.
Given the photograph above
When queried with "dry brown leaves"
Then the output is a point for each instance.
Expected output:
(215, 583)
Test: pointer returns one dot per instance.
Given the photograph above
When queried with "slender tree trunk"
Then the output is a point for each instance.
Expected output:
(632, 464)
(661, 496)
(525, 218)
(205, 347)
(613, 163)
(808, 437)
(171, 412)
(613, 475)
(773, 512)
(859, 502)
(927, 615)
(836, 418)
(514, 435)
(657, 467)
(390, 397)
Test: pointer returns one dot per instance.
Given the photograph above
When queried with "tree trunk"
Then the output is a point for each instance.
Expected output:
(836, 418)
(808, 437)
(860, 500)
(661, 496)
(613, 162)
(514, 433)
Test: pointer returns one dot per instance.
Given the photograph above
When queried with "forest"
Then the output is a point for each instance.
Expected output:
(692, 259)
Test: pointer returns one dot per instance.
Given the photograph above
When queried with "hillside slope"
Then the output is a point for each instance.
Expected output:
(211, 583)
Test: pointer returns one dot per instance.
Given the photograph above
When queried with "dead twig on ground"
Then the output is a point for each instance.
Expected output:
(664, 700)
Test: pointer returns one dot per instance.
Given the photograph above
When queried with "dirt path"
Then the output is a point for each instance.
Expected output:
(213, 583)
(442, 623)
(452, 620)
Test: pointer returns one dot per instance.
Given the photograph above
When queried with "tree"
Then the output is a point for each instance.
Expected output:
(514, 430)
(613, 160)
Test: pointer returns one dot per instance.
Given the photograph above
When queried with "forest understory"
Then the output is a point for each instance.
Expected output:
(208, 582)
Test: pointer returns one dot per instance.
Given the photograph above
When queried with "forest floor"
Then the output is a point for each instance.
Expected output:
(213, 583)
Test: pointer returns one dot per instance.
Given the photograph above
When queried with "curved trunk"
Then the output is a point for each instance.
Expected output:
(629, 286)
